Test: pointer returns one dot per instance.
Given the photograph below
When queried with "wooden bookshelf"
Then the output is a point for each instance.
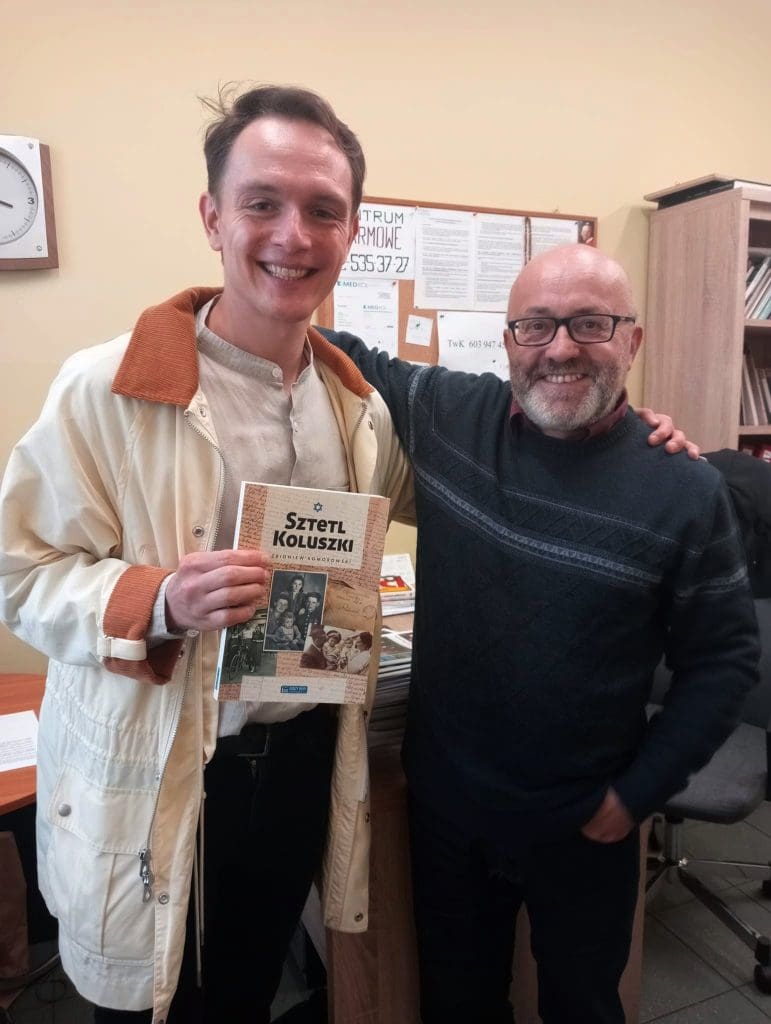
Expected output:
(696, 332)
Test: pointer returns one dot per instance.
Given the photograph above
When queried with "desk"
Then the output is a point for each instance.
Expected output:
(24, 692)
(19, 693)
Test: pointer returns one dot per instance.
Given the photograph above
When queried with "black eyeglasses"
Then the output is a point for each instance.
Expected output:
(584, 328)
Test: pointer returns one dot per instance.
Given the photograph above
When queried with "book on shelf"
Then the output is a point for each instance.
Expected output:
(397, 584)
(765, 386)
(758, 397)
(755, 283)
(684, 191)
(312, 640)
(749, 412)
(763, 311)
(759, 297)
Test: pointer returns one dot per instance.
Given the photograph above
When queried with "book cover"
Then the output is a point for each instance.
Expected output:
(313, 640)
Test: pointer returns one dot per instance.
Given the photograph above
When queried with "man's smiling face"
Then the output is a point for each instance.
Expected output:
(564, 386)
(283, 220)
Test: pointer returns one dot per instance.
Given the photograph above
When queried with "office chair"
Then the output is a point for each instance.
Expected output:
(726, 790)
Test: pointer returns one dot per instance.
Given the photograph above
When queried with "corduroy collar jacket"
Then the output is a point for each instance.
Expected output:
(117, 480)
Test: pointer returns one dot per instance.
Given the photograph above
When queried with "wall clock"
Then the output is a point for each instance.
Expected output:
(27, 224)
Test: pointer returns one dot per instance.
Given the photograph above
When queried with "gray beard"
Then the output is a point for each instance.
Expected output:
(607, 384)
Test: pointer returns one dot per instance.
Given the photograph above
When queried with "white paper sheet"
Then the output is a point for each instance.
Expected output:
(385, 244)
(18, 740)
(444, 259)
(472, 342)
(500, 255)
(370, 310)
(546, 233)
(419, 330)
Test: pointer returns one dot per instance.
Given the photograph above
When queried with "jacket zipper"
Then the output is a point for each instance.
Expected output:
(145, 854)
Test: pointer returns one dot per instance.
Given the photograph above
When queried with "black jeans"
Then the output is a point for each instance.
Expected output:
(580, 898)
(265, 820)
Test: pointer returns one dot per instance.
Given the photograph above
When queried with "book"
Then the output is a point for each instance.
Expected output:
(683, 192)
(313, 639)
(389, 712)
(759, 296)
(749, 413)
(765, 387)
(397, 584)
(763, 312)
(762, 270)
(757, 390)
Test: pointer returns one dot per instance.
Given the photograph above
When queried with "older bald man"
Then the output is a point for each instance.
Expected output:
(528, 754)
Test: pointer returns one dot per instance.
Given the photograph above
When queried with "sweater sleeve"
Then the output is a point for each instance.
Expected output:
(712, 649)
(394, 379)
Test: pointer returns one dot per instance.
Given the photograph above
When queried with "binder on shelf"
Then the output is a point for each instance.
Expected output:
(684, 191)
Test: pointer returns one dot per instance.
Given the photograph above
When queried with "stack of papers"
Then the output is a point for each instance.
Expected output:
(389, 713)
(397, 584)
(18, 740)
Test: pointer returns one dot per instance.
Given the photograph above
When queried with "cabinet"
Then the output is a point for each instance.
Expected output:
(696, 331)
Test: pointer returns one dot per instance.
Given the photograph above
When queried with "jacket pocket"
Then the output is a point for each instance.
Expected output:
(93, 866)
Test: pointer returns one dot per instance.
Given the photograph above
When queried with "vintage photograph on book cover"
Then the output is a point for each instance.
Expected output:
(313, 641)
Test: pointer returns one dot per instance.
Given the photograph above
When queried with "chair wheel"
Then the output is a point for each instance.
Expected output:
(763, 978)
(766, 887)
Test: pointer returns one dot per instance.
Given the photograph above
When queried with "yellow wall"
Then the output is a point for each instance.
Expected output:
(578, 107)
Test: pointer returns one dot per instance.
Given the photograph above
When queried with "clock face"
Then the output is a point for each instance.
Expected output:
(19, 201)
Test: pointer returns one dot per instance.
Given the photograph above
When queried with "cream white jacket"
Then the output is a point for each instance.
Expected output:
(118, 480)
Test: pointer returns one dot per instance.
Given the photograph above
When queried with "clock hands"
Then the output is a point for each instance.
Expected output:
(3, 203)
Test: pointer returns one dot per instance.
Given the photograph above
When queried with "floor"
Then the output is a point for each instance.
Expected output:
(695, 970)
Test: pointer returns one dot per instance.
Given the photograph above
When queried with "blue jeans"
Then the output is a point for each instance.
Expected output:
(580, 896)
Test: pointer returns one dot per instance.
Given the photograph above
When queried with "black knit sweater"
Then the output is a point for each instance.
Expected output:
(551, 577)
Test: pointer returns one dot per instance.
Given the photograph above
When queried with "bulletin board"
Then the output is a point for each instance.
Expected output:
(429, 282)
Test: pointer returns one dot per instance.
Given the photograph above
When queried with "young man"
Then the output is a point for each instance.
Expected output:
(118, 511)
(527, 751)
(118, 515)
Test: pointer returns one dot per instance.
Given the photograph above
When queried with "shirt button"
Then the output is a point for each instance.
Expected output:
(163, 899)
(198, 531)
(358, 917)
(64, 810)
(276, 372)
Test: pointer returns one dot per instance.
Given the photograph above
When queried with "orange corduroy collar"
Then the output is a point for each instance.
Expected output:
(161, 361)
